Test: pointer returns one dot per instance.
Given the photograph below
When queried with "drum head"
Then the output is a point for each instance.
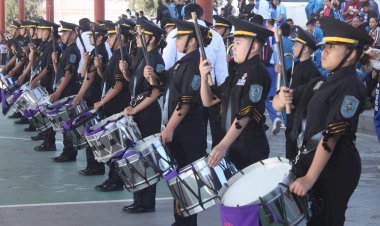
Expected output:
(256, 181)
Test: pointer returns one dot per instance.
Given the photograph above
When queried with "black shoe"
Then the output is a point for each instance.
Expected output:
(30, 129)
(22, 121)
(108, 186)
(126, 208)
(141, 209)
(43, 147)
(64, 158)
(91, 172)
(39, 136)
(15, 115)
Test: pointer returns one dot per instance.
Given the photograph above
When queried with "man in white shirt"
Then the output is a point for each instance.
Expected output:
(84, 24)
(215, 52)
(262, 8)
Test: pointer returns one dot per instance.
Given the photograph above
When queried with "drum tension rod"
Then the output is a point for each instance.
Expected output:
(268, 213)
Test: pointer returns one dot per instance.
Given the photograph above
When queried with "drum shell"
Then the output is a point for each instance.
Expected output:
(117, 129)
(76, 133)
(152, 144)
(144, 165)
(38, 118)
(65, 112)
(189, 203)
(29, 97)
(185, 184)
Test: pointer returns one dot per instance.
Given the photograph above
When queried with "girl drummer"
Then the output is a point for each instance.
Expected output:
(116, 96)
(329, 109)
(144, 104)
(242, 95)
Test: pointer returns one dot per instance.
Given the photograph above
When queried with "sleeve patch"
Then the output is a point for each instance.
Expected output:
(255, 92)
(73, 58)
(196, 83)
(160, 68)
(349, 106)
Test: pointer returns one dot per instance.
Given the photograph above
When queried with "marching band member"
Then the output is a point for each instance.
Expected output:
(304, 46)
(116, 94)
(66, 70)
(44, 74)
(326, 120)
(91, 90)
(144, 104)
(242, 95)
(185, 132)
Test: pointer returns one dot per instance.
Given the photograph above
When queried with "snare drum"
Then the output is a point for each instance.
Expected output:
(29, 97)
(74, 128)
(36, 115)
(196, 186)
(63, 110)
(143, 166)
(111, 135)
(265, 184)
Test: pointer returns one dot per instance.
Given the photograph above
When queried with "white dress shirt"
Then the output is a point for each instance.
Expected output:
(215, 52)
(86, 41)
(264, 9)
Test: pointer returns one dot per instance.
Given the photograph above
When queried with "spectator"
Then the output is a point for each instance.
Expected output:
(318, 34)
(374, 31)
(247, 11)
(356, 22)
(180, 7)
(293, 29)
(313, 7)
(241, 6)
(262, 8)
(229, 10)
(142, 15)
(366, 13)
(351, 10)
(129, 13)
(3, 50)
(374, 6)
(280, 15)
(173, 10)
(163, 13)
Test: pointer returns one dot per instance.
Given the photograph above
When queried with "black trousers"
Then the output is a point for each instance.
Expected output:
(188, 144)
(335, 185)
(91, 162)
(149, 122)
(68, 148)
(250, 147)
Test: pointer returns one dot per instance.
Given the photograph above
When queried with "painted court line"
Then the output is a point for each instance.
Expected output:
(78, 203)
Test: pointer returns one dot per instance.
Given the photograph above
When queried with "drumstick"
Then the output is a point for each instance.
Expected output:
(200, 43)
(80, 39)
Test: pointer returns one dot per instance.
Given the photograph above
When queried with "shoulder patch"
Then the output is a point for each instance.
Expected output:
(196, 83)
(349, 106)
(255, 92)
(73, 58)
(160, 68)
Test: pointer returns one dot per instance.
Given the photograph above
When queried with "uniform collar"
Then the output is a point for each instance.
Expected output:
(191, 55)
(246, 65)
(342, 73)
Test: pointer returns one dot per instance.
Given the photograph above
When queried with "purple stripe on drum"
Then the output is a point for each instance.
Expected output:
(88, 131)
(170, 175)
(16, 95)
(29, 113)
(4, 103)
(248, 215)
(71, 123)
(56, 108)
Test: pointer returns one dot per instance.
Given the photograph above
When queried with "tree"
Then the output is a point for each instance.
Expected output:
(34, 10)
(148, 6)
